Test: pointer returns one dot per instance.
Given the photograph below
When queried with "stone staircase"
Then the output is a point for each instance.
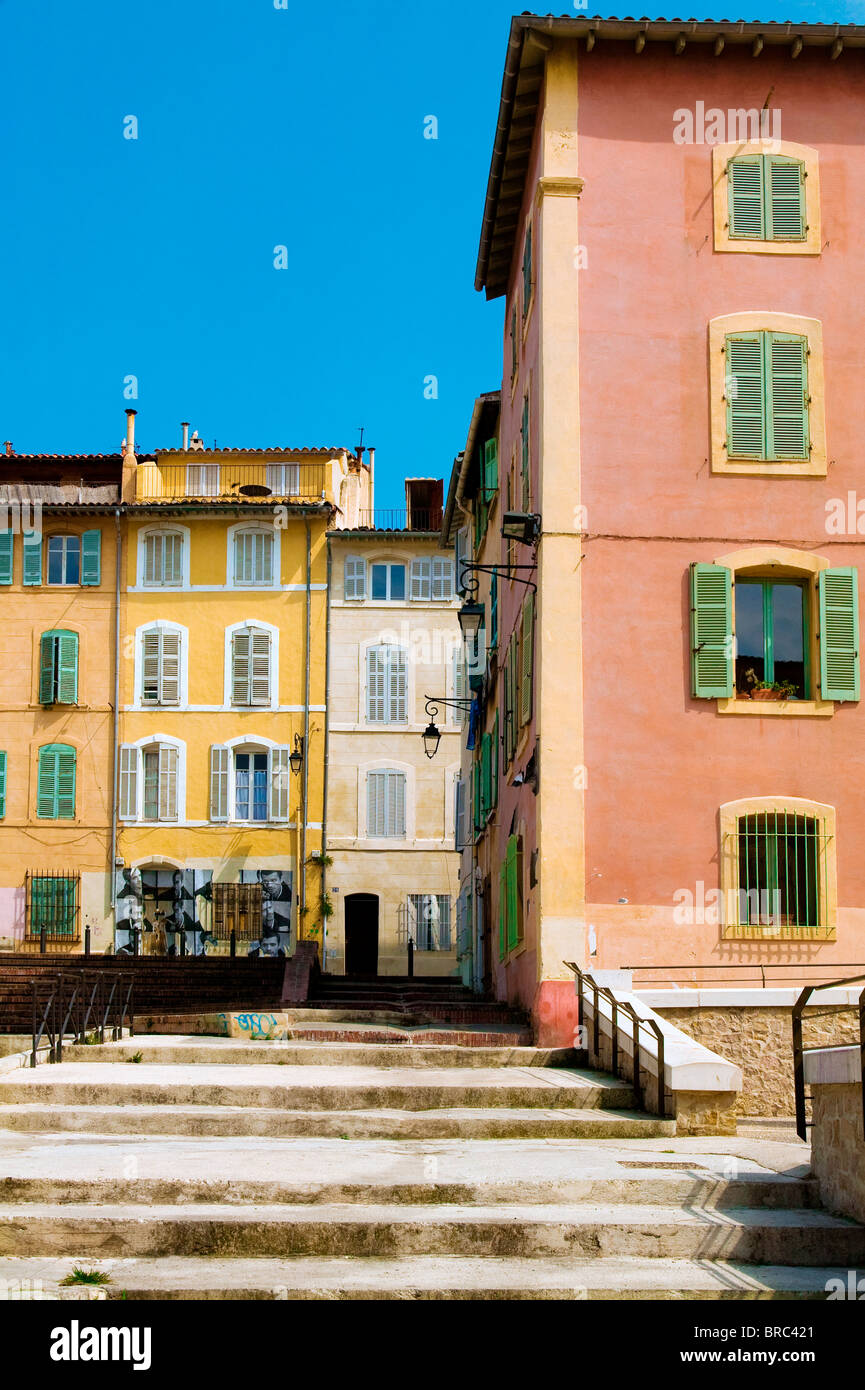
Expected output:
(305, 1170)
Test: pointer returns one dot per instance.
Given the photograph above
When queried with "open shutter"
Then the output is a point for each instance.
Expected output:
(494, 611)
(280, 781)
(240, 667)
(494, 764)
(785, 204)
(527, 659)
(169, 674)
(744, 390)
(711, 632)
(65, 783)
(397, 686)
(128, 782)
(47, 657)
(220, 764)
(839, 633)
(745, 200)
(2, 784)
(150, 668)
(7, 544)
(787, 394)
(91, 549)
(460, 840)
(421, 579)
(67, 668)
(503, 912)
(32, 564)
(354, 577)
(167, 782)
(260, 669)
(376, 674)
(477, 813)
(485, 778)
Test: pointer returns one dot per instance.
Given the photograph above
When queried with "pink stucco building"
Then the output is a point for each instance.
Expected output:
(673, 218)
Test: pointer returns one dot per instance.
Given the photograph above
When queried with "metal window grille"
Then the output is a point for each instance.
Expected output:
(781, 875)
(53, 901)
(237, 907)
(426, 918)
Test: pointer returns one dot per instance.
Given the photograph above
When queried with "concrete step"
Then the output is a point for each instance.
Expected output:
(163, 1050)
(231, 1121)
(585, 1230)
(315, 1087)
(433, 1278)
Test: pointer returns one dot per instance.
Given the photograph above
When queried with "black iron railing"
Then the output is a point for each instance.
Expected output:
(75, 1003)
(712, 975)
(589, 989)
(802, 1122)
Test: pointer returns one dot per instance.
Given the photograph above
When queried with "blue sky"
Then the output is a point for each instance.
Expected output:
(257, 127)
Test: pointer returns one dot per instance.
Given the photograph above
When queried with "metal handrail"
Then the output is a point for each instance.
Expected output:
(603, 991)
(802, 1122)
(76, 1000)
(761, 966)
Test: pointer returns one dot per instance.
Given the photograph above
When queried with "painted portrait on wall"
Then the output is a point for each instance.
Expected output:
(169, 908)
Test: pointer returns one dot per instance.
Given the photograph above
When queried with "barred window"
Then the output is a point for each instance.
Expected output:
(53, 902)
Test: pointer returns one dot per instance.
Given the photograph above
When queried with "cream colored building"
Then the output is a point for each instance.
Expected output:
(393, 641)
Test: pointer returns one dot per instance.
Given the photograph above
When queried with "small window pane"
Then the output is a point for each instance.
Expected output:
(397, 581)
(788, 637)
(379, 581)
(750, 640)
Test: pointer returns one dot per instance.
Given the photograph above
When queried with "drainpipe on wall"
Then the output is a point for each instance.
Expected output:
(115, 751)
(324, 920)
(305, 767)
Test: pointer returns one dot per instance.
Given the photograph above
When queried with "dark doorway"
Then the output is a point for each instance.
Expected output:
(361, 934)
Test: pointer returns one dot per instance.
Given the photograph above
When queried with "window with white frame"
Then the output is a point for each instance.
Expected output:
(432, 578)
(163, 559)
(249, 783)
(149, 782)
(387, 582)
(202, 479)
(386, 685)
(253, 558)
(429, 921)
(251, 653)
(160, 666)
(64, 559)
(354, 577)
(283, 479)
(385, 804)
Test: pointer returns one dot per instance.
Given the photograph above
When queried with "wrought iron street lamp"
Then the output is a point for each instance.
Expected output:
(432, 733)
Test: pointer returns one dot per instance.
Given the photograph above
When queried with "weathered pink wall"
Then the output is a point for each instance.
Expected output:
(659, 763)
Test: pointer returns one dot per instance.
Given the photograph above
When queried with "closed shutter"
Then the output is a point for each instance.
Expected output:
(396, 805)
(711, 632)
(421, 579)
(280, 781)
(375, 803)
(460, 840)
(128, 782)
(65, 783)
(91, 550)
(744, 390)
(506, 700)
(494, 764)
(839, 633)
(527, 652)
(477, 804)
(169, 683)
(167, 782)
(67, 668)
(503, 912)
(745, 198)
(7, 551)
(514, 890)
(442, 578)
(220, 765)
(524, 459)
(485, 778)
(491, 467)
(241, 644)
(354, 577)
(494, 611)
(785, 177)
(2, 784)
(527, 271)
(32, 564)
(153, 559)
(172, 558)
(397, 686)
(376, 687)
(260, 672)
(46, 787)
(787, 393)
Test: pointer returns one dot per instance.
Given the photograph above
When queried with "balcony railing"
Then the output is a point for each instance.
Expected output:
(231, 481)
(401, 519)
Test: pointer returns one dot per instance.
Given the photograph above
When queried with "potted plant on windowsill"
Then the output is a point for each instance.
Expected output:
(767, 690)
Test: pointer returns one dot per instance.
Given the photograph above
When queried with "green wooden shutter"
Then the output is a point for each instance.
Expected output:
(745, 198)
(7, 544)
(2, 784)
(744, 389)
(476, 796)
(785, 198)
(494, 764)
(491, 467)
(494, 611)
(503, 912)
(47, 654)
(91, 548)
(513, 896)
(527, 672)
(67, 668)
(46, 789)
(486, 777)
(786, 358)
(711, 632)
(839, 634)
(32, 558)
(65, 783)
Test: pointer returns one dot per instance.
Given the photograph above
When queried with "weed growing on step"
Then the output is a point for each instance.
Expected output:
(86, 1276)
(136, 1057)
(91, 1040)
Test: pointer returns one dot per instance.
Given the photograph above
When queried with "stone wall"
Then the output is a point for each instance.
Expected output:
(760, 1041)
(838, 1148)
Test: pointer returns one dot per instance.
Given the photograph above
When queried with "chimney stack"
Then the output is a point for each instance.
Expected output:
(184, 425)
(129, 451)
(371, 465)
(7, 444)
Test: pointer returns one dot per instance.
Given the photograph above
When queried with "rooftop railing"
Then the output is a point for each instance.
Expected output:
(232, 481)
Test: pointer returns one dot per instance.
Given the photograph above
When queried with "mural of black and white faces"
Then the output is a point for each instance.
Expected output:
(276, 896)
(170, 909)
